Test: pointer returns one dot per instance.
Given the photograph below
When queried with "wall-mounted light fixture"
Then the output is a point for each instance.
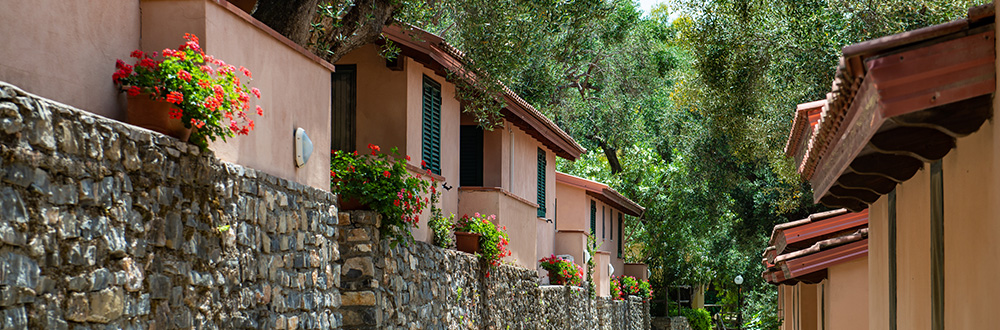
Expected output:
(303, 147)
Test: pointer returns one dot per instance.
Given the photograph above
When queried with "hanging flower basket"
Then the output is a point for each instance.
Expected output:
(467, 242)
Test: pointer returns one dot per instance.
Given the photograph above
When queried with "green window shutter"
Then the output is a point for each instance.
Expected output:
(431, 137)
(619, 235)
(541, 183)
(593, 218)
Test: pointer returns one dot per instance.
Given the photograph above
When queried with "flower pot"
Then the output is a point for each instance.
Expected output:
(555, 278)
(352, 204)
(155, 115)
(467, 242)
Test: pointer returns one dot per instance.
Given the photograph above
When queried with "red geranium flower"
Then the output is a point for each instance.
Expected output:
(175, 97)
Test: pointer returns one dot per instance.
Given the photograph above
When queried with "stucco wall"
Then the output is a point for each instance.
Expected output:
(913, 253)
(38, 36)
(847, 296)
(389, 114)
(381, 102)
(295, 88)
(572, 243)
(521, 167)
(878, 265)
(972, 229)
(786, 306)
(809, 307)
(517, 216)
(571, 213)
(450, 130)
(602, 280)
(545, 246)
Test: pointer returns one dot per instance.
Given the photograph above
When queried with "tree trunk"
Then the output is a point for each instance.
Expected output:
(291, 18)
(360, 25)
(612, 155)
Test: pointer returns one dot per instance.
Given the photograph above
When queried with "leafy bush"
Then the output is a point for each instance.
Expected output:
(382, 182)
(562, 271)
(699, 319)
(492, 240)
(440, 225)
(764, 321)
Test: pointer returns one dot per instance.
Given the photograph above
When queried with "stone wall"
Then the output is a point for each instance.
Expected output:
(426, 287)
(104, 225)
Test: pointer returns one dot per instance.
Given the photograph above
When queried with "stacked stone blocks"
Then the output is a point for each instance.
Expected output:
(105, 225)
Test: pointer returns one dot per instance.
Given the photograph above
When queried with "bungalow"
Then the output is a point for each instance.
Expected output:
(906, 133)
(567, 235)
(409, 103)
(820, 265)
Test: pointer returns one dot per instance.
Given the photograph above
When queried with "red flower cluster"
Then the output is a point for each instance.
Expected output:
(562, 271)
(175, 97)
(216, 99)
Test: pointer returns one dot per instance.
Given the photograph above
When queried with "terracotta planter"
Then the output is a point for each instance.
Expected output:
(351, 204)
(467, 242)
(556, 278)
(155, 115)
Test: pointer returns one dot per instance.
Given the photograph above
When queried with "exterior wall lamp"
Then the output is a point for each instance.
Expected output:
(303, 147)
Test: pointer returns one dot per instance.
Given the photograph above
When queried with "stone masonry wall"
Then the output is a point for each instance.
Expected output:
(104, 225)
(107, 226)
(425, 287)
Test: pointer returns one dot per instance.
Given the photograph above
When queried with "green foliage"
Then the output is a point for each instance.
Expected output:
(206, 91)
(592, 246)
(440, 225)
(382, 182)
(493, 240)
(698, 319)
(562, 271)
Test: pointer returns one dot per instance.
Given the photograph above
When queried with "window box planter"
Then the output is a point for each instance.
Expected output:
(467, 242)
(154, 115)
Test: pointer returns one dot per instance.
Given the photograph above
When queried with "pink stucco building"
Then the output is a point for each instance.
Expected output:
(409, 103)
(586, 206)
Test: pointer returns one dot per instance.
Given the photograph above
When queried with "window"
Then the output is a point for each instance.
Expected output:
(431, 144)
(470, 157)
(541, 183)
(593, 218)
(619, 235)
(344, 108)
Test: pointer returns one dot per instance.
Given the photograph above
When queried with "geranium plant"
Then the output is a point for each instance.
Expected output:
(382, 182)
(206, 93)
(624, 286)
(440, 225)
(493, 240)
(562, 271)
